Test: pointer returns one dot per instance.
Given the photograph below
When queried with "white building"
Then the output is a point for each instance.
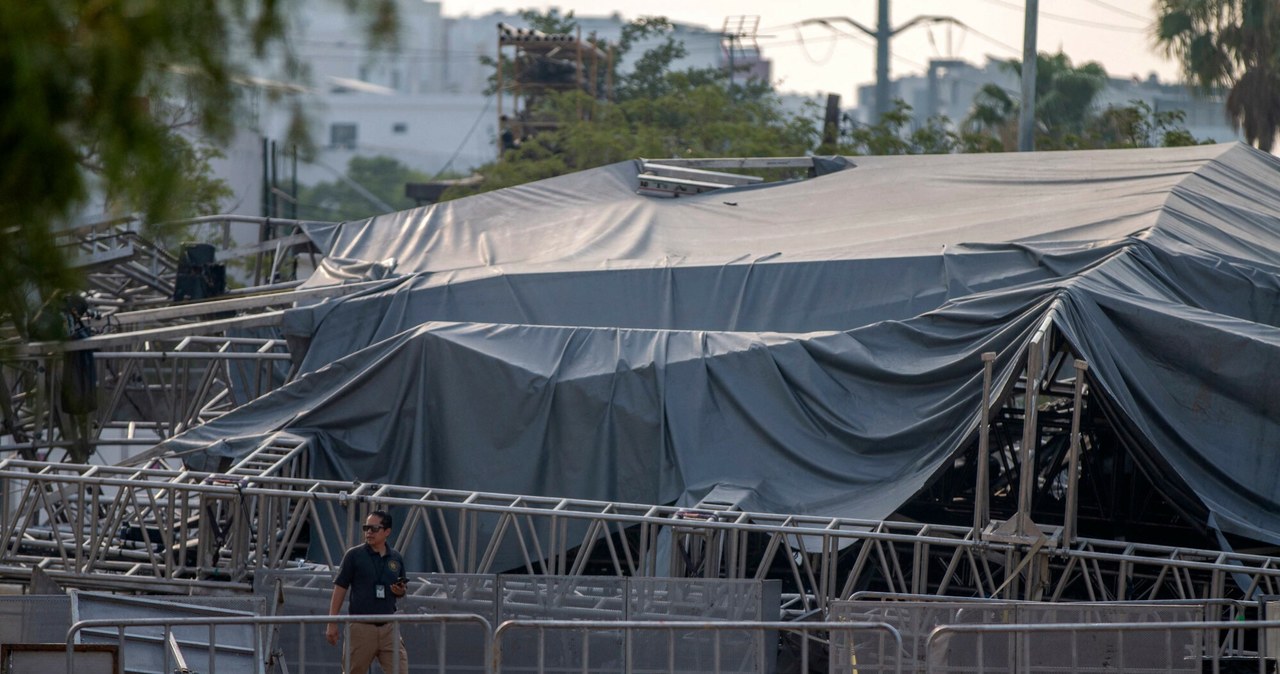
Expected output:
(949, 86)
(425, 103)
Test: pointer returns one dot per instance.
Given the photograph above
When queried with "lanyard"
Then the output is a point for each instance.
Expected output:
(379, 565)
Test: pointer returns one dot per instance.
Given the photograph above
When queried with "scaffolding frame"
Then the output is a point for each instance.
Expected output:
(545, 62)
(96, 525)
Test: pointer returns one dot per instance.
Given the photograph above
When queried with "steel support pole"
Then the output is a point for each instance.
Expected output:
(883, 34)
(1030, 438)
(1073, 460)
(1027, 115)
(982, 489)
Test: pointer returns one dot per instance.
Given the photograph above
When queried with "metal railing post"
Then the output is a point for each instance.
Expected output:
(1073, 461)
(1030, 437)
(671, 627)
(171, 652)
(982, 490)
(1209, 647)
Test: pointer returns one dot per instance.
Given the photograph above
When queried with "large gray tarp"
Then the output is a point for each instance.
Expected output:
(809, 347)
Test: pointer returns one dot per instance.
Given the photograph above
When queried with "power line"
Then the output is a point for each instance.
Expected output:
(1120, 10)
(1071, 19)
(805, 49)
(990, 39)
(488, 101)
(860, 39)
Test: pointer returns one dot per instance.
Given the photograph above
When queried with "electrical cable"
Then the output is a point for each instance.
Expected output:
(1070, 19)
(805, 49)
(488, 102)
(1120, 10)
(990, 39)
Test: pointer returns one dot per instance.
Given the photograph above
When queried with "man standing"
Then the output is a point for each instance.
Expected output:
(374, 574)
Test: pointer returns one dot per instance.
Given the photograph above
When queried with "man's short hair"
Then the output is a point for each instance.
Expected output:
(384, 516)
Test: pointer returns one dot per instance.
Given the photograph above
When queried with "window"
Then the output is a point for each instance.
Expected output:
(342, 136)
(399, 127)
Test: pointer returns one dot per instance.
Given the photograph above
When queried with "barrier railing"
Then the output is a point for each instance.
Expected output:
(1129, 647)
(170, 642)
(1203, 647)
(841, 660)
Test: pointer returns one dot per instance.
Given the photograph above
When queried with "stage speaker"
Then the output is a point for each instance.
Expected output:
(199, 276)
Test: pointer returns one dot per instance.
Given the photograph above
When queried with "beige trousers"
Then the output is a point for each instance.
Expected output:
(368, 641)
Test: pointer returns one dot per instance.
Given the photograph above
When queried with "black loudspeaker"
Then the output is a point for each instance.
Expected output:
(199, 276)
(196, 255)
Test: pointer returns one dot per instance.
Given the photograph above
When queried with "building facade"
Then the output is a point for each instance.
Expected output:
(427, 104)
(948, 88)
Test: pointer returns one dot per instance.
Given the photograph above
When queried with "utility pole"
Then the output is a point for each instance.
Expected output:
(1027, 115)
(735, 29)
(882, 34)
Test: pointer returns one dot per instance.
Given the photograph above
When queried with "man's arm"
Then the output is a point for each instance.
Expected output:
(335, 605)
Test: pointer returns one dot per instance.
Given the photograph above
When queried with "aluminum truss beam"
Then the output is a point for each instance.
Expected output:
(125, 270)
(89, 524)
(167, 374)
(138, 382)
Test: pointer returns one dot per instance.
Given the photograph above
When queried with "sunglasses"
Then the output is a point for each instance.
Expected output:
(372, 527)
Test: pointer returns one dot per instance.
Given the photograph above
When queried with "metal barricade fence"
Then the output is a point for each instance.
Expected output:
(689, 646)
(1144, 648)
(916, 619)
(177, 632)
(719, 647)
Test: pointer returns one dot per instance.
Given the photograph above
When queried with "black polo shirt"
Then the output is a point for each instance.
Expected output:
(362, 571)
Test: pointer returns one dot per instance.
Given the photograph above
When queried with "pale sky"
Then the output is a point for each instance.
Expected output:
(1116, 33)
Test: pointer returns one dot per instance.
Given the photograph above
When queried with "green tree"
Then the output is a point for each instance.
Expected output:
(657, 112)
(1232, 45)
(84, 93)
(198, 192)
(893, 135)
(371, 186)
(1138, 125)
(1065, 100)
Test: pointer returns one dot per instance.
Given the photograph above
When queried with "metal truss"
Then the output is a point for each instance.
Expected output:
(126, 271)
(121, 268)
(135, 390)
(113, 526)
(140, 368)
(144, 375)
(1050, 429)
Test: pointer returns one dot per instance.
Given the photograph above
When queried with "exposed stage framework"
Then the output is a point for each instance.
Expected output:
(118, 527)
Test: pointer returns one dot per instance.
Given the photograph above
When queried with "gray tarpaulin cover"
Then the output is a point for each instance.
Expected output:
(807, 347)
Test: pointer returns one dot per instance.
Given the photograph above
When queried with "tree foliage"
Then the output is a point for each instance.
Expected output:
(92, 95)
(656, 112)
(1065, 103)
(1231, 45)
(1138, 125)
(1067, 115)
(894, 134)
